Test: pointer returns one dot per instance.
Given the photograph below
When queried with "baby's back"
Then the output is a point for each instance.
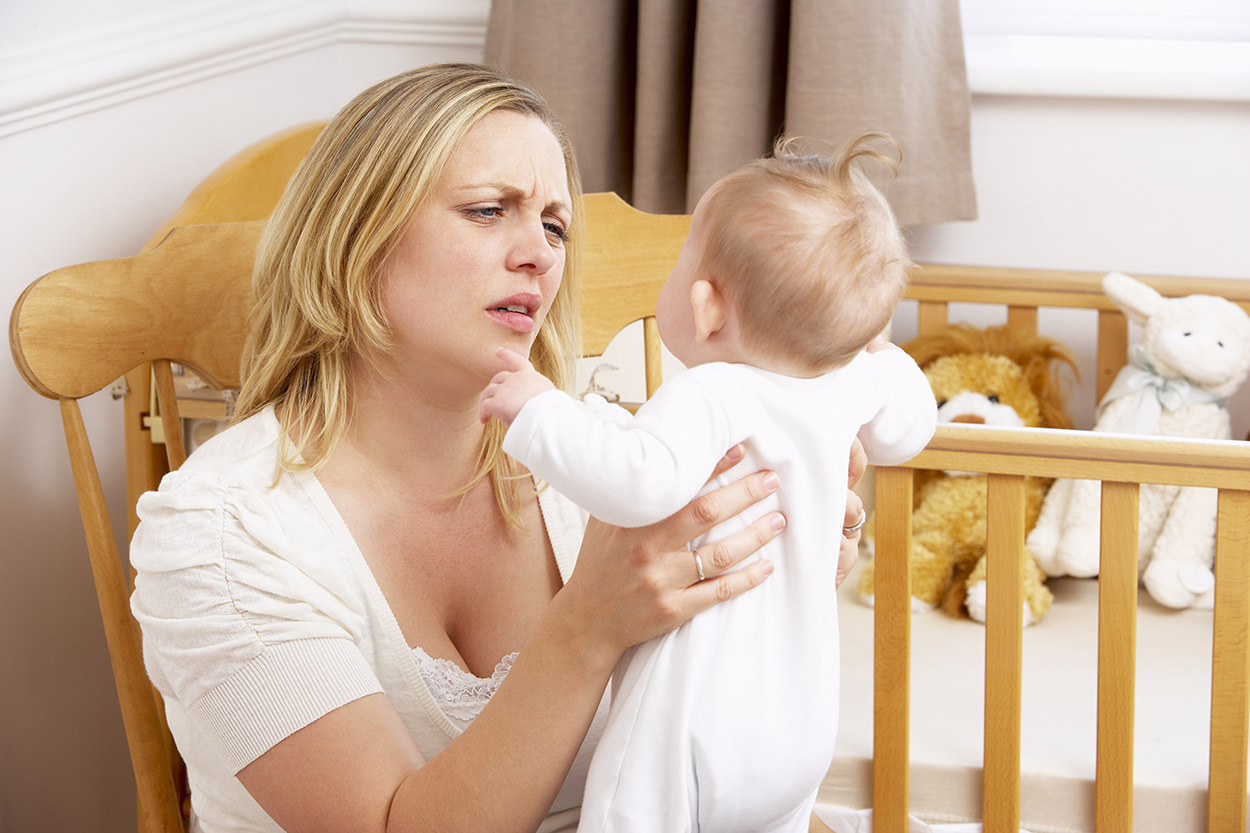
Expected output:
(729, 722)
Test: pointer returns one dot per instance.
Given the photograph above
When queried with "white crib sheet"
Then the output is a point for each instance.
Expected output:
(1058, 734)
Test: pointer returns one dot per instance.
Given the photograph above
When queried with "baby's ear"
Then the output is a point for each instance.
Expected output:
(710, 312)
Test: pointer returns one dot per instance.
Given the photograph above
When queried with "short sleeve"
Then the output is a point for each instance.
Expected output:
(247, 616)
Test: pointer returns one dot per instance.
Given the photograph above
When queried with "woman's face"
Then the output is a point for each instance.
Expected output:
(479, 264)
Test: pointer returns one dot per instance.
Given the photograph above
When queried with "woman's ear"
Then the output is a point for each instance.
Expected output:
(710, 311)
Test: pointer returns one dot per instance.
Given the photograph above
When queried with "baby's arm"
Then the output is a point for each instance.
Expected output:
(511, 388)
(908, 414)
(625, 472)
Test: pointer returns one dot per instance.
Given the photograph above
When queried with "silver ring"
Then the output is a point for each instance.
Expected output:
(863, 519)
(698, 564)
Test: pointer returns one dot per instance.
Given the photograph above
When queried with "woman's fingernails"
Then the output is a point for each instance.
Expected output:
(766, 567)
(736, 452)
(770, 481)
(777, 521)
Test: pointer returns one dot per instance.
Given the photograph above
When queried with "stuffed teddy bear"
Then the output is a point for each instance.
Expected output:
(1193, 354)
(993, 376)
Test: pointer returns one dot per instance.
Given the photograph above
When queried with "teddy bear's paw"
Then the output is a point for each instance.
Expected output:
(1176, 583)
(975, 602)
(1077, 552)
(1205, 601)
(1197, 579)
(1043, 542)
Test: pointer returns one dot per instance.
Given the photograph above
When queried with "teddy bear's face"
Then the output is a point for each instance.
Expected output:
(982, 389)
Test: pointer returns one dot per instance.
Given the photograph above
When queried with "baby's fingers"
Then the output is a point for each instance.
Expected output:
(512, 360)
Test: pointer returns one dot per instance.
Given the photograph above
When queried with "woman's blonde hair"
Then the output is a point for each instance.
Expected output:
(808, 250)
(321, 256)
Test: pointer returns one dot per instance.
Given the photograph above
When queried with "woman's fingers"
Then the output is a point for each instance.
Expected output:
(854, 512)
(718, 505)
(858, 464)
(848, 554)
(732, 458)
(723, 555)
(852, 530)
(634, 584)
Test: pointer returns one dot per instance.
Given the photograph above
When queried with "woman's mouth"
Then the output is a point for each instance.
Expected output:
(516, 313)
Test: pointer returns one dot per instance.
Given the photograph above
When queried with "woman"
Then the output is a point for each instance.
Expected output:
(361, 615)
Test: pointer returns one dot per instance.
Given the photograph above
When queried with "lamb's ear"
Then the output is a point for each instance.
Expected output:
(1138, 300)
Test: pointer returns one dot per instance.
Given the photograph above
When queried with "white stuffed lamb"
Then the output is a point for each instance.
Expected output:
(1194, 353)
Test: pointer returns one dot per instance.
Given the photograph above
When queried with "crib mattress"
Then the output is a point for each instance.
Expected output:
(1058, 715)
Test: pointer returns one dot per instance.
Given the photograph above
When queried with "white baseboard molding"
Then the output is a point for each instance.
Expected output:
(61, 80)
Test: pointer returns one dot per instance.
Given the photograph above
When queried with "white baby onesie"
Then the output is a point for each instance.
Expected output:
(728, 723)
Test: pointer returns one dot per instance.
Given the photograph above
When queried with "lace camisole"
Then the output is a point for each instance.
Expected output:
(460, 694)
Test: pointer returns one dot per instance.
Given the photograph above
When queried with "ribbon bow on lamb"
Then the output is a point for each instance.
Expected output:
(1154, 392)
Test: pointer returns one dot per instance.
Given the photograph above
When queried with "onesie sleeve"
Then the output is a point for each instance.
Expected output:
(243, 616)
(628, 472)
(907, 414)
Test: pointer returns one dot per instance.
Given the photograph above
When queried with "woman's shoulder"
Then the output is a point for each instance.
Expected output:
(242, 452)
(239, 464)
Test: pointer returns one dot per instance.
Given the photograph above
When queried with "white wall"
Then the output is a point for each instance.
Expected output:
(87, 173)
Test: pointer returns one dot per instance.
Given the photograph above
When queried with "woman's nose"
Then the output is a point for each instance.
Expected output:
(532, 250)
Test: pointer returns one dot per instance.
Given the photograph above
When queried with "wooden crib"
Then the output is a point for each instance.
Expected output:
(1007, 456)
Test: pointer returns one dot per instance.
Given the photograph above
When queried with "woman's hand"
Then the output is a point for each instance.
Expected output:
(848, 549)
(631, 585)
(852, 528)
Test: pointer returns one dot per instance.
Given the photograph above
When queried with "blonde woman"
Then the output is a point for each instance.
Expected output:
(361, 615)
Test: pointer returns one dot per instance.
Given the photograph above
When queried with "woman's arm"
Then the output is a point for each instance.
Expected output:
(357, 768)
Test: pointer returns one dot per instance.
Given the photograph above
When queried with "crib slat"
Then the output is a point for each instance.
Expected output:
(1022, 319)
(1004, 534)
(891, 650)
(1230, 675)
(1112, 349)
(1117, 639)
(931, 316)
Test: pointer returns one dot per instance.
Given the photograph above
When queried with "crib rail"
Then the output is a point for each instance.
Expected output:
(1007, 456)
(1023, 291)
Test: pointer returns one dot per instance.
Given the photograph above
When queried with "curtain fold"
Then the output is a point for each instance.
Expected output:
(663, 97)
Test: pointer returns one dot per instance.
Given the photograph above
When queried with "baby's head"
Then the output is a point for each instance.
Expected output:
(806, 251)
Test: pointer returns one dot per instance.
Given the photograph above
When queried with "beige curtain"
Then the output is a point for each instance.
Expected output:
(663, 97)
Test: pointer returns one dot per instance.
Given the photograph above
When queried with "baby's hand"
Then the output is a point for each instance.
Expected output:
(511, 388)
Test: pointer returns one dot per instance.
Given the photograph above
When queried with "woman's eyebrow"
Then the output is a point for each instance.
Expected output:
(509, 191)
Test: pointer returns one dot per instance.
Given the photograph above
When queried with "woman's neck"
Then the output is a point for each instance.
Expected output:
(402, 429)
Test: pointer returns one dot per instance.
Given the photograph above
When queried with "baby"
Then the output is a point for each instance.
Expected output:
(793, 266)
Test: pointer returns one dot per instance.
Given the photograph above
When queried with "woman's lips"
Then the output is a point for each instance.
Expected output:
(516, 313)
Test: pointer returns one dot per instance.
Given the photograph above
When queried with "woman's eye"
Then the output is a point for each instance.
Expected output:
(557, 231)
(486, 212)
